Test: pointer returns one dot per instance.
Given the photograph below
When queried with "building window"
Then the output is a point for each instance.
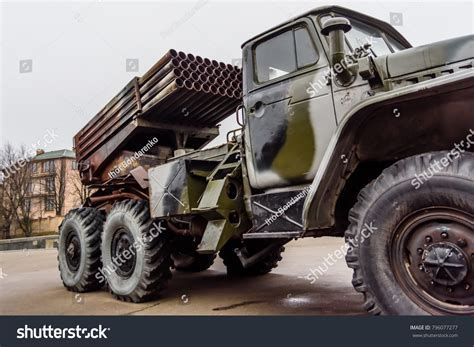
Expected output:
(29, 188)
(285, 53)
(27, 205)
(49, 184)
(49, 204)
(74, 165)
(34, 167)
(48, 166)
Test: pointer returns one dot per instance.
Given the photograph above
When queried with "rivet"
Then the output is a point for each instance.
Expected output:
(450, 289)
(462, 243)
(467, 286)
(428, 238)
(444, 235)
(419, 251)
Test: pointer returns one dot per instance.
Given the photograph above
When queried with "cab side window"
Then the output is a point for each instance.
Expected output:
(305, 50)
(283, 54)
(275, 57)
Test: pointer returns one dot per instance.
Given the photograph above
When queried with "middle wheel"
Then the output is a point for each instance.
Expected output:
(262, 267)
(192, 261)
(135, 252)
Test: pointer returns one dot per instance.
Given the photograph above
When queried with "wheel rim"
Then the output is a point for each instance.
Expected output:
(122, 244)
(432, 257)
(73, 251)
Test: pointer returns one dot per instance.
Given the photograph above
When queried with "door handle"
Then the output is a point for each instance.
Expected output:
(240, 122)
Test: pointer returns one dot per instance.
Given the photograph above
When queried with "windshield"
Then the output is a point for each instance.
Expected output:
(362, 33)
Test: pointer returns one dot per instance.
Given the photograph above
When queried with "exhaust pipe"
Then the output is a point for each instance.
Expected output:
(335, 29)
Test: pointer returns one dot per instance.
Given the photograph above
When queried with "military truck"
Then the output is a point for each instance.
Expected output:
(346, 131)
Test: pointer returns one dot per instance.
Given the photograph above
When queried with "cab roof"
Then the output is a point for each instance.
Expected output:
(387, 28)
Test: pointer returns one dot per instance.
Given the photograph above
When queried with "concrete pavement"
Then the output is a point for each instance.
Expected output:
(30, 285)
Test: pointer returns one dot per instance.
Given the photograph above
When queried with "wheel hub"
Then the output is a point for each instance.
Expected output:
(73, 251)
(123, 254)
(432, 257)
(445, 264)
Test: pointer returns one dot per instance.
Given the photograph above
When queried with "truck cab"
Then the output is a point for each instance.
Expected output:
(292, 108)
(296, 104)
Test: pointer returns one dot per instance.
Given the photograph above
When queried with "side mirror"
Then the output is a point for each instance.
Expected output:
(335, 28)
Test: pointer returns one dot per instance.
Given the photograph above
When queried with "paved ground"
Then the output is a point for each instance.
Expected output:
(30, 284)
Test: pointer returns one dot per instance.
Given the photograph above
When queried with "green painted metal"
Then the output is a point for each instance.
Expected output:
(222, 204)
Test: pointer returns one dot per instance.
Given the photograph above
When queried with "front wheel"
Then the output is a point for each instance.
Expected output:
(411, 237)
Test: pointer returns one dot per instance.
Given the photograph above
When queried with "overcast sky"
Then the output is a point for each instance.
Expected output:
(73, 54)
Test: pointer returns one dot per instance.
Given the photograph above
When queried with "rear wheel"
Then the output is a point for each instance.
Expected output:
(411, 241)
(262, 267)
(79, 249)
(135, 252)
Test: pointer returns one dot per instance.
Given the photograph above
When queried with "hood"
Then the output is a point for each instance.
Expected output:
(427, 57)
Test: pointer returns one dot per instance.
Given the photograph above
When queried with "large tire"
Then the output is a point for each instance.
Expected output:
(192, 262)
(402, 228)
(79, 249)
(129, 228)
(264, 266)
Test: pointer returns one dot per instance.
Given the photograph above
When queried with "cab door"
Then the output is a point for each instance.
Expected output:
(288, 103)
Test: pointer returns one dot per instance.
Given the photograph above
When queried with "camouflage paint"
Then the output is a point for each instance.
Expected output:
(287, 136)
(299, 144)
(209, 188)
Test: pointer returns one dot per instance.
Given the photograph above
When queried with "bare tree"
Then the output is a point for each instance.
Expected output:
(6, 214)
(79, 192)
(16, 178)
(61, 182)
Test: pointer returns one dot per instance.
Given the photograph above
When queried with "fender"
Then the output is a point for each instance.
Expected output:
(427, 116)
